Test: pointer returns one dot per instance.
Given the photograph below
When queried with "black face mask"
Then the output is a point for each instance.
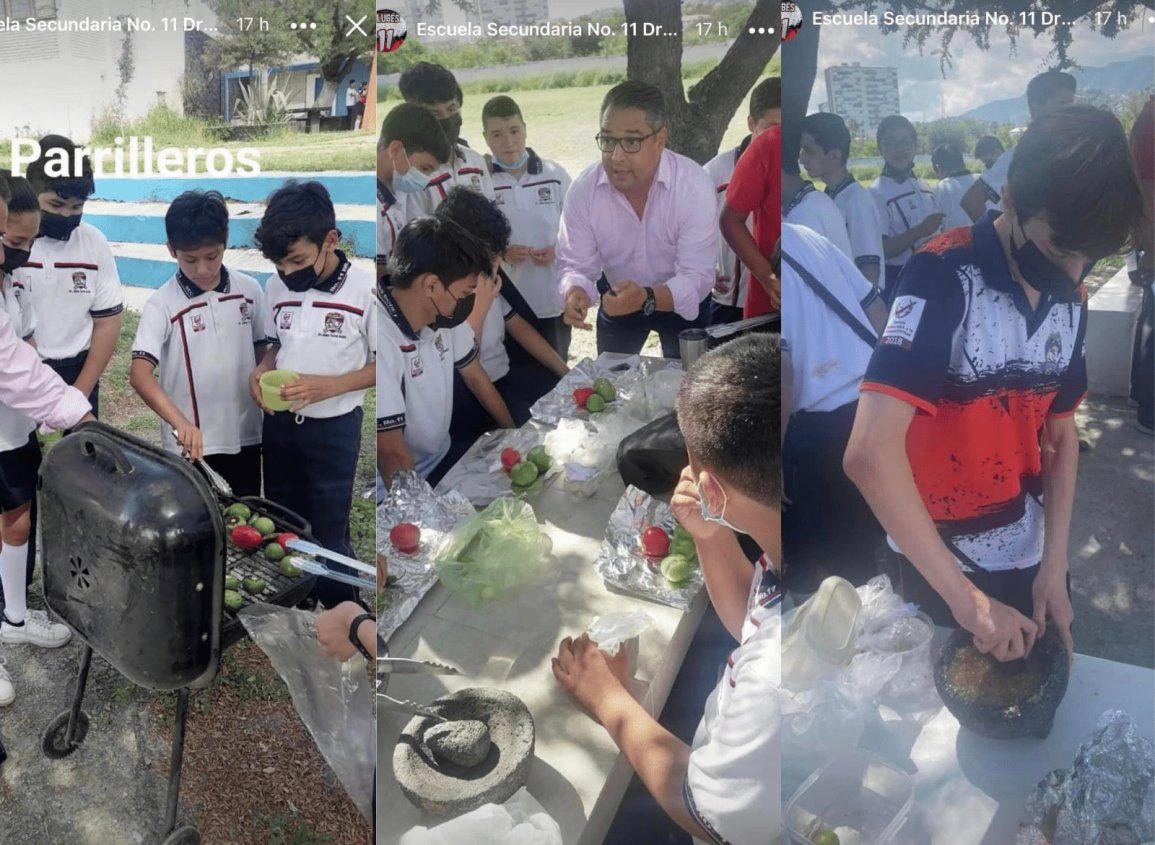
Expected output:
(459, 315)
(1040, 272)
(301, 280)
(896, 174)
(14, 258)
(451, 126)
(57, 226)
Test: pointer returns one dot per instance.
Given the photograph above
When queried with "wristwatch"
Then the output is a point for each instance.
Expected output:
(354, 639)
(651, 303)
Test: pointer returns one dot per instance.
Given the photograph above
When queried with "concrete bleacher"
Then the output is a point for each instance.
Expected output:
(1112, 312)
(130, 212)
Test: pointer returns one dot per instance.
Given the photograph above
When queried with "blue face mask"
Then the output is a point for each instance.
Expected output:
(718, 519)
(412, 181)
(514, 165)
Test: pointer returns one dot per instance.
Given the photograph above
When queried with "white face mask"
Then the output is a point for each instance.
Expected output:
(412, 181)
(718, 519)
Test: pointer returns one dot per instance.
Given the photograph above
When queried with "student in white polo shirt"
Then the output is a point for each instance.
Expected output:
(1050, 90)
(835, 316)
(530, 191)
(72, 275)
(202, 330)
(953, 181)
(424, 339)
(805, 205)
(732, 277)
(320, 323)
(824, 151)
(906, 204)
(411, 148)
(725, 786)
(435, 89)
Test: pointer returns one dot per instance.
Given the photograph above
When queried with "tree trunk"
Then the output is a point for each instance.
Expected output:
(335, 71)
(697, 124)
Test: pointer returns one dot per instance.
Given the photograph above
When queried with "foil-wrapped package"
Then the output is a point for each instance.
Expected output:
(623, 564)
(635, 382)
(410, 499)
(1107, 797)
(479, 476)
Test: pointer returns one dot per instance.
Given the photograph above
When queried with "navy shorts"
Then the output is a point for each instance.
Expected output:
(19, 469)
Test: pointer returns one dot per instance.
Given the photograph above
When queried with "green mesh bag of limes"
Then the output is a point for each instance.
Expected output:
(492, 552)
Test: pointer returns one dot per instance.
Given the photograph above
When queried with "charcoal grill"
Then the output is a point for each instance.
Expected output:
(135, 552)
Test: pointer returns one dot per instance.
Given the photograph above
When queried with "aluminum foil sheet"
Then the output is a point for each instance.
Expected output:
(1107, 797)
(478, 475)
(629, 376)
(621, 561)
(410, 499)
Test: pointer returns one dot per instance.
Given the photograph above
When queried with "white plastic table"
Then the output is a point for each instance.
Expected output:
(970, 790)
(578, 775)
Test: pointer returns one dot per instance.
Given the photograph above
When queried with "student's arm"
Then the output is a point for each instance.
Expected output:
(732, 223)
(266, 362)
(724, 565)
(477, 381)
(105, 334)
(872, 271)
(876, 313)
(488, 287)
(876, 461)
(1060, 468)
(974, 201)
(310, 389)
(898, 244)
(598, 683)
(393, 456)
(535, 345)
(333, 631)
(144, 382)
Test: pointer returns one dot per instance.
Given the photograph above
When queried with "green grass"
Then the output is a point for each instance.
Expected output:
(292, 830)
(560, 122)
(121, 407)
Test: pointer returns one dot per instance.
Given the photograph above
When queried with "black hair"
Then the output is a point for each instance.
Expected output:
(501, 106)
(634, 94)
(891, 123)
(729, 411)
(829, 132)
(427, 84)
(417, 129)
(766, 95)
(19, 194)
(295, 210)
(478, 214)
(1095, 207)
(75, 186)
(948, 157)
(196, 219)
(791, 142)
(988, 144)
(435, 244)
(1047, 85)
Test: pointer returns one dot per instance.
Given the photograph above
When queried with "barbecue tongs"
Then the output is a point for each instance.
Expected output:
(316, 565)
(387, 666)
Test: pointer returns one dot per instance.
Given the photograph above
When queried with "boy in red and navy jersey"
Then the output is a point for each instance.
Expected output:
(964, 443)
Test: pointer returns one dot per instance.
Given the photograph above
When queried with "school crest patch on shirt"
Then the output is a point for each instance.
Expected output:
(334, 324)
(905, 315)
(198, 323)
(544, 195)
(415, 368)
(439, 344)
(286, 320)
(246, 312)
(80, 282)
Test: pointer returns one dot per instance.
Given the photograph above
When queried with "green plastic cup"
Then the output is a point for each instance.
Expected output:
(271, 384)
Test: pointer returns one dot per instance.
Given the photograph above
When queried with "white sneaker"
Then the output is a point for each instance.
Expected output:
(37, 629)
(7, 691)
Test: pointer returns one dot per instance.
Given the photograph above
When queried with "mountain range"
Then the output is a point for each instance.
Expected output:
(1116, 78)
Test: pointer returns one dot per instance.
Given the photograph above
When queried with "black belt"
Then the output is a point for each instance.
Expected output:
(56, 363)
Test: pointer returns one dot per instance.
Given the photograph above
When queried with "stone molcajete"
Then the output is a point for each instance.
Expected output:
(480, 755)
(1003, 701)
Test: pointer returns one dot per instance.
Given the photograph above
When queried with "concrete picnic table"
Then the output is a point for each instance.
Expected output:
(970, 790)
(578, 775)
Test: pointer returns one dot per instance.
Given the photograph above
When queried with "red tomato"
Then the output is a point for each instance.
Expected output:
(655, 542)
(509, 457)
(405, 537)
(581, 395)
(245, 537)
(283, 539)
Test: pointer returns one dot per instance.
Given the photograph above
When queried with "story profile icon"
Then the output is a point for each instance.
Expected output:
(391, 30)
(791, 19)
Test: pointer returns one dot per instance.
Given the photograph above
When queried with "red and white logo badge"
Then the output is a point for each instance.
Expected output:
(246, 312)
(791, 20)
(286, 320)
(334, 323)
(79, 282)
(391, 30)
(198, 323)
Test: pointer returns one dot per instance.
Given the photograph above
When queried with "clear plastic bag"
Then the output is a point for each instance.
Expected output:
(613, 629)
(492, 552)
(519, 821)
(333, 698)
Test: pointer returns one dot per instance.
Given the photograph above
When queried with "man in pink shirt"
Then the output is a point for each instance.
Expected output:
(639, 228)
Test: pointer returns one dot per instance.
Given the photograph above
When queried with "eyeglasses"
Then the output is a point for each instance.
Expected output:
(630, 144)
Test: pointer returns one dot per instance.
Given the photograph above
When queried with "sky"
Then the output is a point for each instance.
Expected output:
(978, 76)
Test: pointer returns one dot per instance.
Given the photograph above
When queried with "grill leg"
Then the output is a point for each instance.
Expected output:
(177, 759)
(78, 698)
